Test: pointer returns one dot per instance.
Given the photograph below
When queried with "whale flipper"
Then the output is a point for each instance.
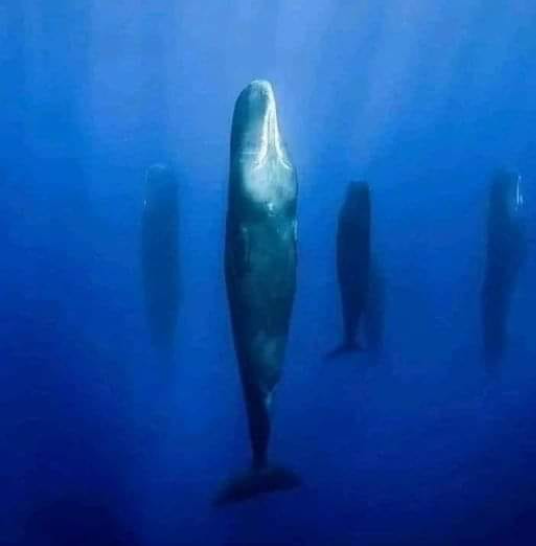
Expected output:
(256, 482)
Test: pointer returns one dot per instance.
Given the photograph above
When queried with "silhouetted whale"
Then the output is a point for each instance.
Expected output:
(159, 255)
(505, 254)
(260, 272)
(353, 262)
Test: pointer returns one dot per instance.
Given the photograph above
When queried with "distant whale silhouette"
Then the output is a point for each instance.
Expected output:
(353, 263)
(159, 255)
(260, 272)
(505, 254)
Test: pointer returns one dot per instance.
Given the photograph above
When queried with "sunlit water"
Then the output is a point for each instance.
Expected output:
(98, 438)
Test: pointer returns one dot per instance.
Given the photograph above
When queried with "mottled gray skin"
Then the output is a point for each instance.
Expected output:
(260, 254)
(159, 255)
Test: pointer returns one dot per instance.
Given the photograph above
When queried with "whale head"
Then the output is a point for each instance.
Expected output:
(506, 194)
(258, 154)
(357, 197)
(255, 124)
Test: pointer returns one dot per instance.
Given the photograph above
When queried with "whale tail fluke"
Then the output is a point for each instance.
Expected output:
(257, 481)
(344, 349)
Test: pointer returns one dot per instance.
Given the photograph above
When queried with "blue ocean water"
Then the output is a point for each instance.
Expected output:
(101, 442)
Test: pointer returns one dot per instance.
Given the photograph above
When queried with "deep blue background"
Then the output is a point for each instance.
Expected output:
(424, 99)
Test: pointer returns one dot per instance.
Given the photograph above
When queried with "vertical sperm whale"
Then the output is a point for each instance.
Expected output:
(159, 255)
(260, 273)
(505, 254)
(353, 263)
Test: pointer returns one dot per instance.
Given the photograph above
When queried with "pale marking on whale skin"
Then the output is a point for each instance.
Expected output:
(269, 348)
(264, 182)
(271, 137)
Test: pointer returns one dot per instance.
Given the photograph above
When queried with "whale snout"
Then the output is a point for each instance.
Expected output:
(255, 102)
(261, 93)
(255, 125)
(506, 193)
